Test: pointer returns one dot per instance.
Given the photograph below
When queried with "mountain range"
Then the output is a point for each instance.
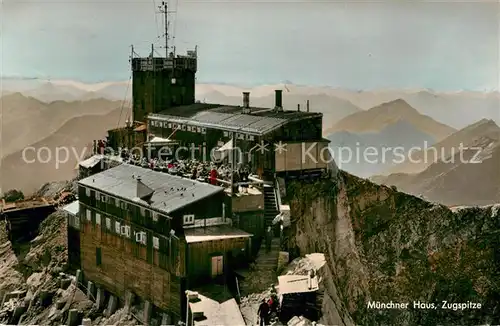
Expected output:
(75, 135)
(50, 92)
(420, 160)
(396, 120)
(367, 153)
(26, 120)
(381, 136)
(385, 114)
(456, 109)
(461, 175)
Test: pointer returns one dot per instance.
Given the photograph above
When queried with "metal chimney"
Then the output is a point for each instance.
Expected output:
(246, 102)
(298, 107)
(307, 106)
(278, 100)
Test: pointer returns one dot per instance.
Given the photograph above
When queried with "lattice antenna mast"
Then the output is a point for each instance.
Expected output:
(164, 10)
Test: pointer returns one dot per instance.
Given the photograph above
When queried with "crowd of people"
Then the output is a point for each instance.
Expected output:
(203, 171)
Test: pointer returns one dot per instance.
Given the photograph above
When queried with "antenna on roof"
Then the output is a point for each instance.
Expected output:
(164, 10)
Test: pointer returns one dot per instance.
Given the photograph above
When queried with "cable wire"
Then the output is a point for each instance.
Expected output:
(124, 100)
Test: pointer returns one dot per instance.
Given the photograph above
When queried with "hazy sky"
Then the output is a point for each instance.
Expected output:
(358, 45)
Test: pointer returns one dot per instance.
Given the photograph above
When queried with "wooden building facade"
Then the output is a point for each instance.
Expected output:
(147, 232)
(127, 137)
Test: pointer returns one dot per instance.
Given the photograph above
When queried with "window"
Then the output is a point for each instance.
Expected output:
(77, 222)
(140, 237)
(117, 227)
(188, 128)
(89, 215)
(241, 136)
(111, 200)
(203, 130)
(226, 134)
(103, 198)
(142, 210)
(125, 231)
(188, 219)
(98, 256)
(169, 125)
(97, 195)
(108, 223)
(156, 243)
(251, 137)
(165, 125)
(87, 192)
(123, 205)
(198, 129)
(184, 127)
(155, 216)
(97, 218)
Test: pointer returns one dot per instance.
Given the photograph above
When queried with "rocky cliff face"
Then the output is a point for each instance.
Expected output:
(383, 245)
(33, 282)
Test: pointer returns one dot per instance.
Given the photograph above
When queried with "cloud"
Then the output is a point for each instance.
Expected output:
(435, 45)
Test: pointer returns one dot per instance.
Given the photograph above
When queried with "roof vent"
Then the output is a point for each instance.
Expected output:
(278, 100)
(143, 192)
(246, 102)
(298, 107)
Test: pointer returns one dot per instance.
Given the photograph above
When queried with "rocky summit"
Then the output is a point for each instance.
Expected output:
(383, 247)
(383, 258)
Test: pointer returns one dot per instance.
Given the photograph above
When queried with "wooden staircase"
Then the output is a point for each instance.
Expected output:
(263, 272)
(268, 261)
(270, 205)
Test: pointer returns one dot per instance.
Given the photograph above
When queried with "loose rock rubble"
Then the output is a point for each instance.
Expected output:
(300, 266)
(34, 286)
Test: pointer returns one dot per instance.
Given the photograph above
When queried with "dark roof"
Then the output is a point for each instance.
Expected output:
(170, 192)
(188, 110)
(260, 121)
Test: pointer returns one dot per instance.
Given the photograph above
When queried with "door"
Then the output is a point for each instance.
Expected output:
(217, 266)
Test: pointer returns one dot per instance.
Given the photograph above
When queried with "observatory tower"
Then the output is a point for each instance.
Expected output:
(159, 83)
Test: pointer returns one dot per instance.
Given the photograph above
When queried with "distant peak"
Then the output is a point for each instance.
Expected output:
(398, 101)
(484, 123)
(16, 95)
(398, 105)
